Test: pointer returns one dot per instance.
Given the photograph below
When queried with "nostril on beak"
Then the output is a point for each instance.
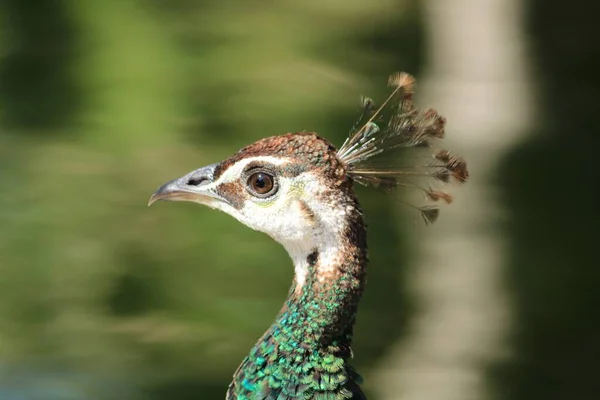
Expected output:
(200, 177)
(196, 181)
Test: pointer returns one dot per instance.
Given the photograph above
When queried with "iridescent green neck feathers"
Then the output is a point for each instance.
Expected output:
(305, 354)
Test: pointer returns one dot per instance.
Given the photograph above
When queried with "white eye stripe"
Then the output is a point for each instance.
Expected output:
(235, 171)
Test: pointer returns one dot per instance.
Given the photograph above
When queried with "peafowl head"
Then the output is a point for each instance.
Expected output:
(297, 187)
(286, 186)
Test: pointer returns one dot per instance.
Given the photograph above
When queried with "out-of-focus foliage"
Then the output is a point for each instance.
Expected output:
(552, 194)
(101, 102)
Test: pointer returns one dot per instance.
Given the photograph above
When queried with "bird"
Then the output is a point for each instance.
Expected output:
(300, 190)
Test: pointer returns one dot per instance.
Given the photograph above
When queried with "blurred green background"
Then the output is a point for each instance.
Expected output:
(103, 101)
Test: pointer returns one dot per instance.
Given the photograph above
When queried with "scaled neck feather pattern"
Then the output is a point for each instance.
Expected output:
(305, 353)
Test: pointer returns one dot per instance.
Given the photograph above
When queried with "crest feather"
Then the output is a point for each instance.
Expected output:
(391, 145)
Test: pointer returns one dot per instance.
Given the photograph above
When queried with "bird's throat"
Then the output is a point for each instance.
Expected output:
(328, 284)
(324, 297)
(307, 349)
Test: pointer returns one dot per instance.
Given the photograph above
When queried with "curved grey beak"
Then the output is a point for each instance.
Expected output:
(195, 187)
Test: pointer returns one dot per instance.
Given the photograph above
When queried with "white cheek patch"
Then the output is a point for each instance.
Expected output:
(301, 216)
(332, 223)
(279, 217)
(289, 221)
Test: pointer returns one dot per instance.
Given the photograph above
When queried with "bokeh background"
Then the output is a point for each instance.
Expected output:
(102, 101)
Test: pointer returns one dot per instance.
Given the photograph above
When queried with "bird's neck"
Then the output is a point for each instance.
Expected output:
(307, 348)
(323, 300)
(329, 277)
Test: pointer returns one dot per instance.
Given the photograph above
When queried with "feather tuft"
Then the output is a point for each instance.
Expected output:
(367, 103)
(390, 146)
(443, 155)
(437, 195)
(429, 214)
(402, 80)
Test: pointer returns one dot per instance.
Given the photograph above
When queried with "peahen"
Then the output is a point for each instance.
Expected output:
(298, 189)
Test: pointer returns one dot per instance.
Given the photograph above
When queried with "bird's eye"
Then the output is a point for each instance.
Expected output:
(261, 184)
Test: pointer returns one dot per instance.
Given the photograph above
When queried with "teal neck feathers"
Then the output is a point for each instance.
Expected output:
(305, 353)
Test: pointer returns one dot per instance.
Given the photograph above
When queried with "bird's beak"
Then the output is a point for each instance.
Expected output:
(197, 187)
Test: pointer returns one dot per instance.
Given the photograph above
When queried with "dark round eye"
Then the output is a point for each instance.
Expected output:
(261, 183)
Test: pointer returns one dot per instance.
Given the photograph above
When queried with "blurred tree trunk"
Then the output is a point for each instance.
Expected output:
(477, 78)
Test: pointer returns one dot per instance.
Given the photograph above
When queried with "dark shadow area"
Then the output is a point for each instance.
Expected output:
(37, 88)
(551, 188)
